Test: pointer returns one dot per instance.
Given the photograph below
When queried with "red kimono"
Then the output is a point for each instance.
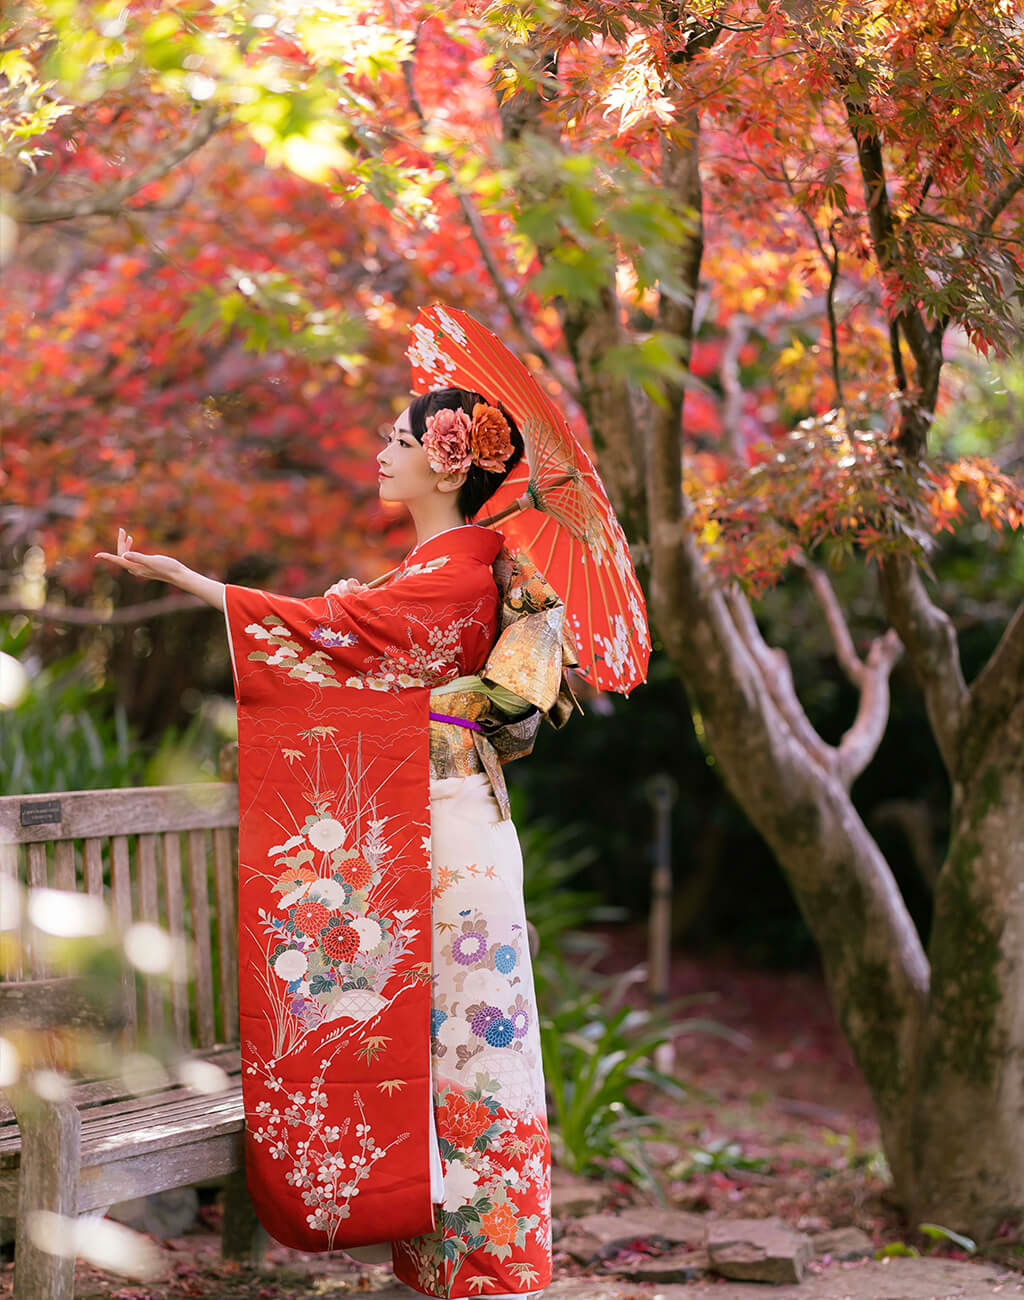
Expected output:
(334, 882)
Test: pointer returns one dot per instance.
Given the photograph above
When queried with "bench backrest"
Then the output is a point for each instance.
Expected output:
(165, 854)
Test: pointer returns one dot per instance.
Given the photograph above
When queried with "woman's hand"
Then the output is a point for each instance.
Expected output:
(345, 585)
(140, 565)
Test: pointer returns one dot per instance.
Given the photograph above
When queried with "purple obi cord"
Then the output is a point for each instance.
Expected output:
(459, 722)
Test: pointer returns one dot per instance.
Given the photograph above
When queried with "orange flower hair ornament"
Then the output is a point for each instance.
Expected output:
(453, 441)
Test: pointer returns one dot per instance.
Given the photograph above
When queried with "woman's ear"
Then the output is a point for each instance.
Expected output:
(452, 482)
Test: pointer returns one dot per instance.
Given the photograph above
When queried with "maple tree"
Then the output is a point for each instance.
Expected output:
(740, 235)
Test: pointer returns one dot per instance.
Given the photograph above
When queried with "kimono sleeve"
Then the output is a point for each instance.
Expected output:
(374, 640)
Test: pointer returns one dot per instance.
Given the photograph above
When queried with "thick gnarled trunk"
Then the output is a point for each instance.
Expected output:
(939, 1039)
(967, 1136)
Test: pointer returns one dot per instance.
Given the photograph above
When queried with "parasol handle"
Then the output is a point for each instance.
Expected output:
(524, 502)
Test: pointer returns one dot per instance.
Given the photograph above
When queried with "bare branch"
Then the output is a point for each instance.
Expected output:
(93, 618)
(849, 660)
(1002, 200)
(476, 229)
(109, 202)
(996, 689)
(832, 264)
(773, 666)
(858, 745)
(732, 405)
(930, 639)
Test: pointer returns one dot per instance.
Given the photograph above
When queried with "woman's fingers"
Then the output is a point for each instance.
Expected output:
(342, 586)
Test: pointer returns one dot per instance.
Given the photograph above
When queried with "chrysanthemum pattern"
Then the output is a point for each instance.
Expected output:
(494, 1229)
(334, 950)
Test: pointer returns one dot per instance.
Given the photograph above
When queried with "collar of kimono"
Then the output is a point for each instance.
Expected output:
(471, 540)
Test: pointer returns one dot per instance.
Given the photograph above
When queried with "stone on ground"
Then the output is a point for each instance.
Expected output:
(595, 1236)
(757, 1250)
(162, 1214)
(843, 1243)
(572, 1196)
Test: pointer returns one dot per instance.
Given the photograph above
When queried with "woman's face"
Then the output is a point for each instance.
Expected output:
(405, 472)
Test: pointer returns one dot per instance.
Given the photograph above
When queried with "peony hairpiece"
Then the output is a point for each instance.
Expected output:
(453, 441)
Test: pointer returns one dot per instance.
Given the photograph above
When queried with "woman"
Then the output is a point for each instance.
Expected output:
(365, 717)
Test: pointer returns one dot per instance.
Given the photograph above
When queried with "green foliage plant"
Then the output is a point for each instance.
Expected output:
(65, 735)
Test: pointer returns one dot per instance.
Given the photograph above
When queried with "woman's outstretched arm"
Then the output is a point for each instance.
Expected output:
(167, 569)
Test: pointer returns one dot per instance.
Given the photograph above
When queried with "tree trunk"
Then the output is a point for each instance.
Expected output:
(967, 1138)
(942, 1050)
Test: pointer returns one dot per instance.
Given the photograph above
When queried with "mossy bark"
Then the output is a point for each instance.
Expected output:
(967, 1136)
(943, 1049)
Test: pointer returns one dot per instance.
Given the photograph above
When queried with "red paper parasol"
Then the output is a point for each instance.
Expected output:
(553, 505)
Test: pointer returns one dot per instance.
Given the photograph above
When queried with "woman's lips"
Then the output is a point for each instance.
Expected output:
(381, 474)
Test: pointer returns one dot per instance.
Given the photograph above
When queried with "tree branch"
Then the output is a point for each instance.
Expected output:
(925, 344)
(476, 230)
(732, 403)
(843, 762)
(832, 265)
(930, 639)
(1002, 200)
(109, 202)
(92, 618)
(858, 746)
(995, 690)
(777, 676)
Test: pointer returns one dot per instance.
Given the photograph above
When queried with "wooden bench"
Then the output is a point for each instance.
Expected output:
(164, 854)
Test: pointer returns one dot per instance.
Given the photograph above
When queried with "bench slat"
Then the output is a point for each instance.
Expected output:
(34, 942)
(149, 910)
(204, 1155)
(115, 1123)
(64, 864)
(37, 866)
(227, 932)
(188, 1158)
(97, 1091)
(137, 809)
(176, 1122)
(92, 856)
(123, 916)
(199, 897)
(171, 851)
(10, 953)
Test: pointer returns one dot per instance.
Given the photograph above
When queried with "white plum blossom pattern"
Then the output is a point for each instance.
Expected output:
(424, 353)
(319, 1161)
(450, 326)
(616, 651)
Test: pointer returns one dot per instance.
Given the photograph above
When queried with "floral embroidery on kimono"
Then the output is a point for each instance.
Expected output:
(334, 886)
(494, 1231)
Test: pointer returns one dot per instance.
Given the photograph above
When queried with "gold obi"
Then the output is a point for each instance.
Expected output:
(453, 751)
(522, 681)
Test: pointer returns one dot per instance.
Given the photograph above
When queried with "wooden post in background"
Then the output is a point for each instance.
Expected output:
(661, 791)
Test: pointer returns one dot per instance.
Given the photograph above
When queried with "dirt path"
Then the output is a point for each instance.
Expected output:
(792, 1100)
(893, 1279)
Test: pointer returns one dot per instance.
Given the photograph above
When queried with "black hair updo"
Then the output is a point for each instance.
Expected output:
(480, 484)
